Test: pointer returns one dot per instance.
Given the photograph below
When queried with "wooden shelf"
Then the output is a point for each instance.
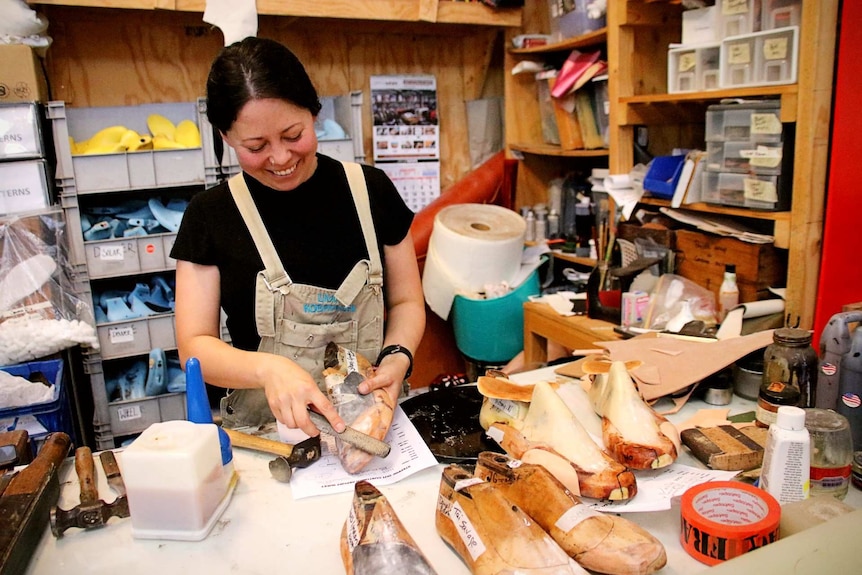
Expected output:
(659, 108)
(552, 150)
(434, 11)
(595, 38)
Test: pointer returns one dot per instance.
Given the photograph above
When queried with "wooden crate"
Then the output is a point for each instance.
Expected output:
(701, 258)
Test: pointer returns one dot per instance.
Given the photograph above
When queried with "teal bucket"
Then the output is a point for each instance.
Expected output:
(492, 330)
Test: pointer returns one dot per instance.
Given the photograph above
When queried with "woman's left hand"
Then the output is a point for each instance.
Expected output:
(389, 375)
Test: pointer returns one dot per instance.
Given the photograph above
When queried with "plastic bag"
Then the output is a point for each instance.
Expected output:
(669, 299)
(40, 313)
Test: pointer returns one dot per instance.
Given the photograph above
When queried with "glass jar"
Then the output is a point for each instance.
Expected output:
(790, 359)
(831, 452)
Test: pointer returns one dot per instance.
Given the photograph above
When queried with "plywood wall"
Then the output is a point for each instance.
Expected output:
(113, 57)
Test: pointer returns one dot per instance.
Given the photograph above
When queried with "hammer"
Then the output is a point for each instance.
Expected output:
(92, 512)
(302, 454)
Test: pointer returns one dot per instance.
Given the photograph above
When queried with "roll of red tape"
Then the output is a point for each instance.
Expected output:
(723, 519)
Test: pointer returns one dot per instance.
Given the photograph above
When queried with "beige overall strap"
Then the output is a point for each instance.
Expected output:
(361, 273)
(275, 275)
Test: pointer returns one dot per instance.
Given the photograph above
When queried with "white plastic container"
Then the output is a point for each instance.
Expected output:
(787, 458)
(175, 481)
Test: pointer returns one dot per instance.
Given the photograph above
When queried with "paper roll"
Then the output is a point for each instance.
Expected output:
(471, 245)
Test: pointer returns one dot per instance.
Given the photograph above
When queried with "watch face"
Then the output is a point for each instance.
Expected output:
(447, 419)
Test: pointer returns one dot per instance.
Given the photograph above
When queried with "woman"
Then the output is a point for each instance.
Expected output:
(338, 260)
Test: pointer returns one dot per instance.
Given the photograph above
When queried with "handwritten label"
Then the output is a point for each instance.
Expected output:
(129, 412)
(505, 406)
(760, 190)
(124, 334)
(763, 156)
(351, 360)
(734, 7)
(352, 529)
(775, 49)
(767, 124)
(465, 529)
(739, 53)
(113, 252)
(465, 483)
(687, 61)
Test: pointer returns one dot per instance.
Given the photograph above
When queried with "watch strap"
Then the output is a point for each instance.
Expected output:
(391, 349)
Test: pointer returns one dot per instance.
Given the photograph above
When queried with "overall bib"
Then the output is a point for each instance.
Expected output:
(297, 321)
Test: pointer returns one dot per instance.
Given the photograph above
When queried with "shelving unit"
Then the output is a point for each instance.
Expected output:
(436, 11)
(637, 39)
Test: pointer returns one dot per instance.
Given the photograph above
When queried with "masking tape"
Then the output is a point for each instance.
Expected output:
(724, 519)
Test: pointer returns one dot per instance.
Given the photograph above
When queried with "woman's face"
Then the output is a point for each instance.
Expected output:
(275, 142)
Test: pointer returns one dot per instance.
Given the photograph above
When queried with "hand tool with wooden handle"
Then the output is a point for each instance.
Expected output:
(302, 454)
(352, 437)
(25, 503)
(92, 512)
(112, 472)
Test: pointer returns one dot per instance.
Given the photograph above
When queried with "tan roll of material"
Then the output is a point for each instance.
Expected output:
(471, 245)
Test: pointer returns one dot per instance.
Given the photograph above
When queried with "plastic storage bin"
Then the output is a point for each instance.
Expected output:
(663, 174)
(135, 337)
(746, 190)
(492, 330)
(694, 68)
(738, 17)
(744, 157)
(760, 59)
(752, 121)
(780, 14)
(112, 257)
(146, 169)
(49, 416)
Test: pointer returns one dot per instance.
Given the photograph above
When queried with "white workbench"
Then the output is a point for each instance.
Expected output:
(264, 531)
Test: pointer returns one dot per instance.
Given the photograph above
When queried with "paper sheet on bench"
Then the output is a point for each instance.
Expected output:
(409, 455)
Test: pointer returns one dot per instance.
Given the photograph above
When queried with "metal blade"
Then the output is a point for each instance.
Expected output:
(350, 436)
(112, 472)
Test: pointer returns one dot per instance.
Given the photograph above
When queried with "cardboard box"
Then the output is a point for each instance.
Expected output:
(701, 258)
(21, 76)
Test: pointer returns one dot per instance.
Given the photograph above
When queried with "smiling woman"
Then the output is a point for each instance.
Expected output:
(299, 250)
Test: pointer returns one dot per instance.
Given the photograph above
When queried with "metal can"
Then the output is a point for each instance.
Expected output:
(772, 396)
(790, 359)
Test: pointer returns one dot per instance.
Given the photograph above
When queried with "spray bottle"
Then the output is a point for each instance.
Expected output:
(834, 343)
(850, 388)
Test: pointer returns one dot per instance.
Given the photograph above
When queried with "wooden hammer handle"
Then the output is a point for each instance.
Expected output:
(256, 443)
(86, 469)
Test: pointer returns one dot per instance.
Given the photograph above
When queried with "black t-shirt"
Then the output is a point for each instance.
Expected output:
(315, 230)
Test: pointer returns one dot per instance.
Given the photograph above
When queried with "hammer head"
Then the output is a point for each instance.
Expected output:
(89, 516)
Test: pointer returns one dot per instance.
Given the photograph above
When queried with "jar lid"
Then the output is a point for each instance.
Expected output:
(824, 420)
(790, 417)
(780, 393)
(791, 335)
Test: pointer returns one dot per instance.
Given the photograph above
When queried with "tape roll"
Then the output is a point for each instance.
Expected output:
(724, 519)
(471, 245)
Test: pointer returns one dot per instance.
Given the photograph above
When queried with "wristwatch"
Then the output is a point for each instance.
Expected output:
(389, 350)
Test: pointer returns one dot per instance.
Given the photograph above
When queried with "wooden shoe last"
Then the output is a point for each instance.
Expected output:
(491, 534)
(373, 540)
(601, 543)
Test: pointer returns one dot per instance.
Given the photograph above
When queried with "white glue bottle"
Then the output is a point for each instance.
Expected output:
(787, 458)
(728, 293)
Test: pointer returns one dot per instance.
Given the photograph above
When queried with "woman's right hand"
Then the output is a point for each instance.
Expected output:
(290, 391)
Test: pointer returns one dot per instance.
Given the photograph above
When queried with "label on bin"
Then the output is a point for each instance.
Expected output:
(760, 190)
(775, 49)
(125, 334)
(129, 412)
(110, 252)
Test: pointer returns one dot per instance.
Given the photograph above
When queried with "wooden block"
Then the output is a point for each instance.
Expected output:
(701, 258)
(725, 447)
